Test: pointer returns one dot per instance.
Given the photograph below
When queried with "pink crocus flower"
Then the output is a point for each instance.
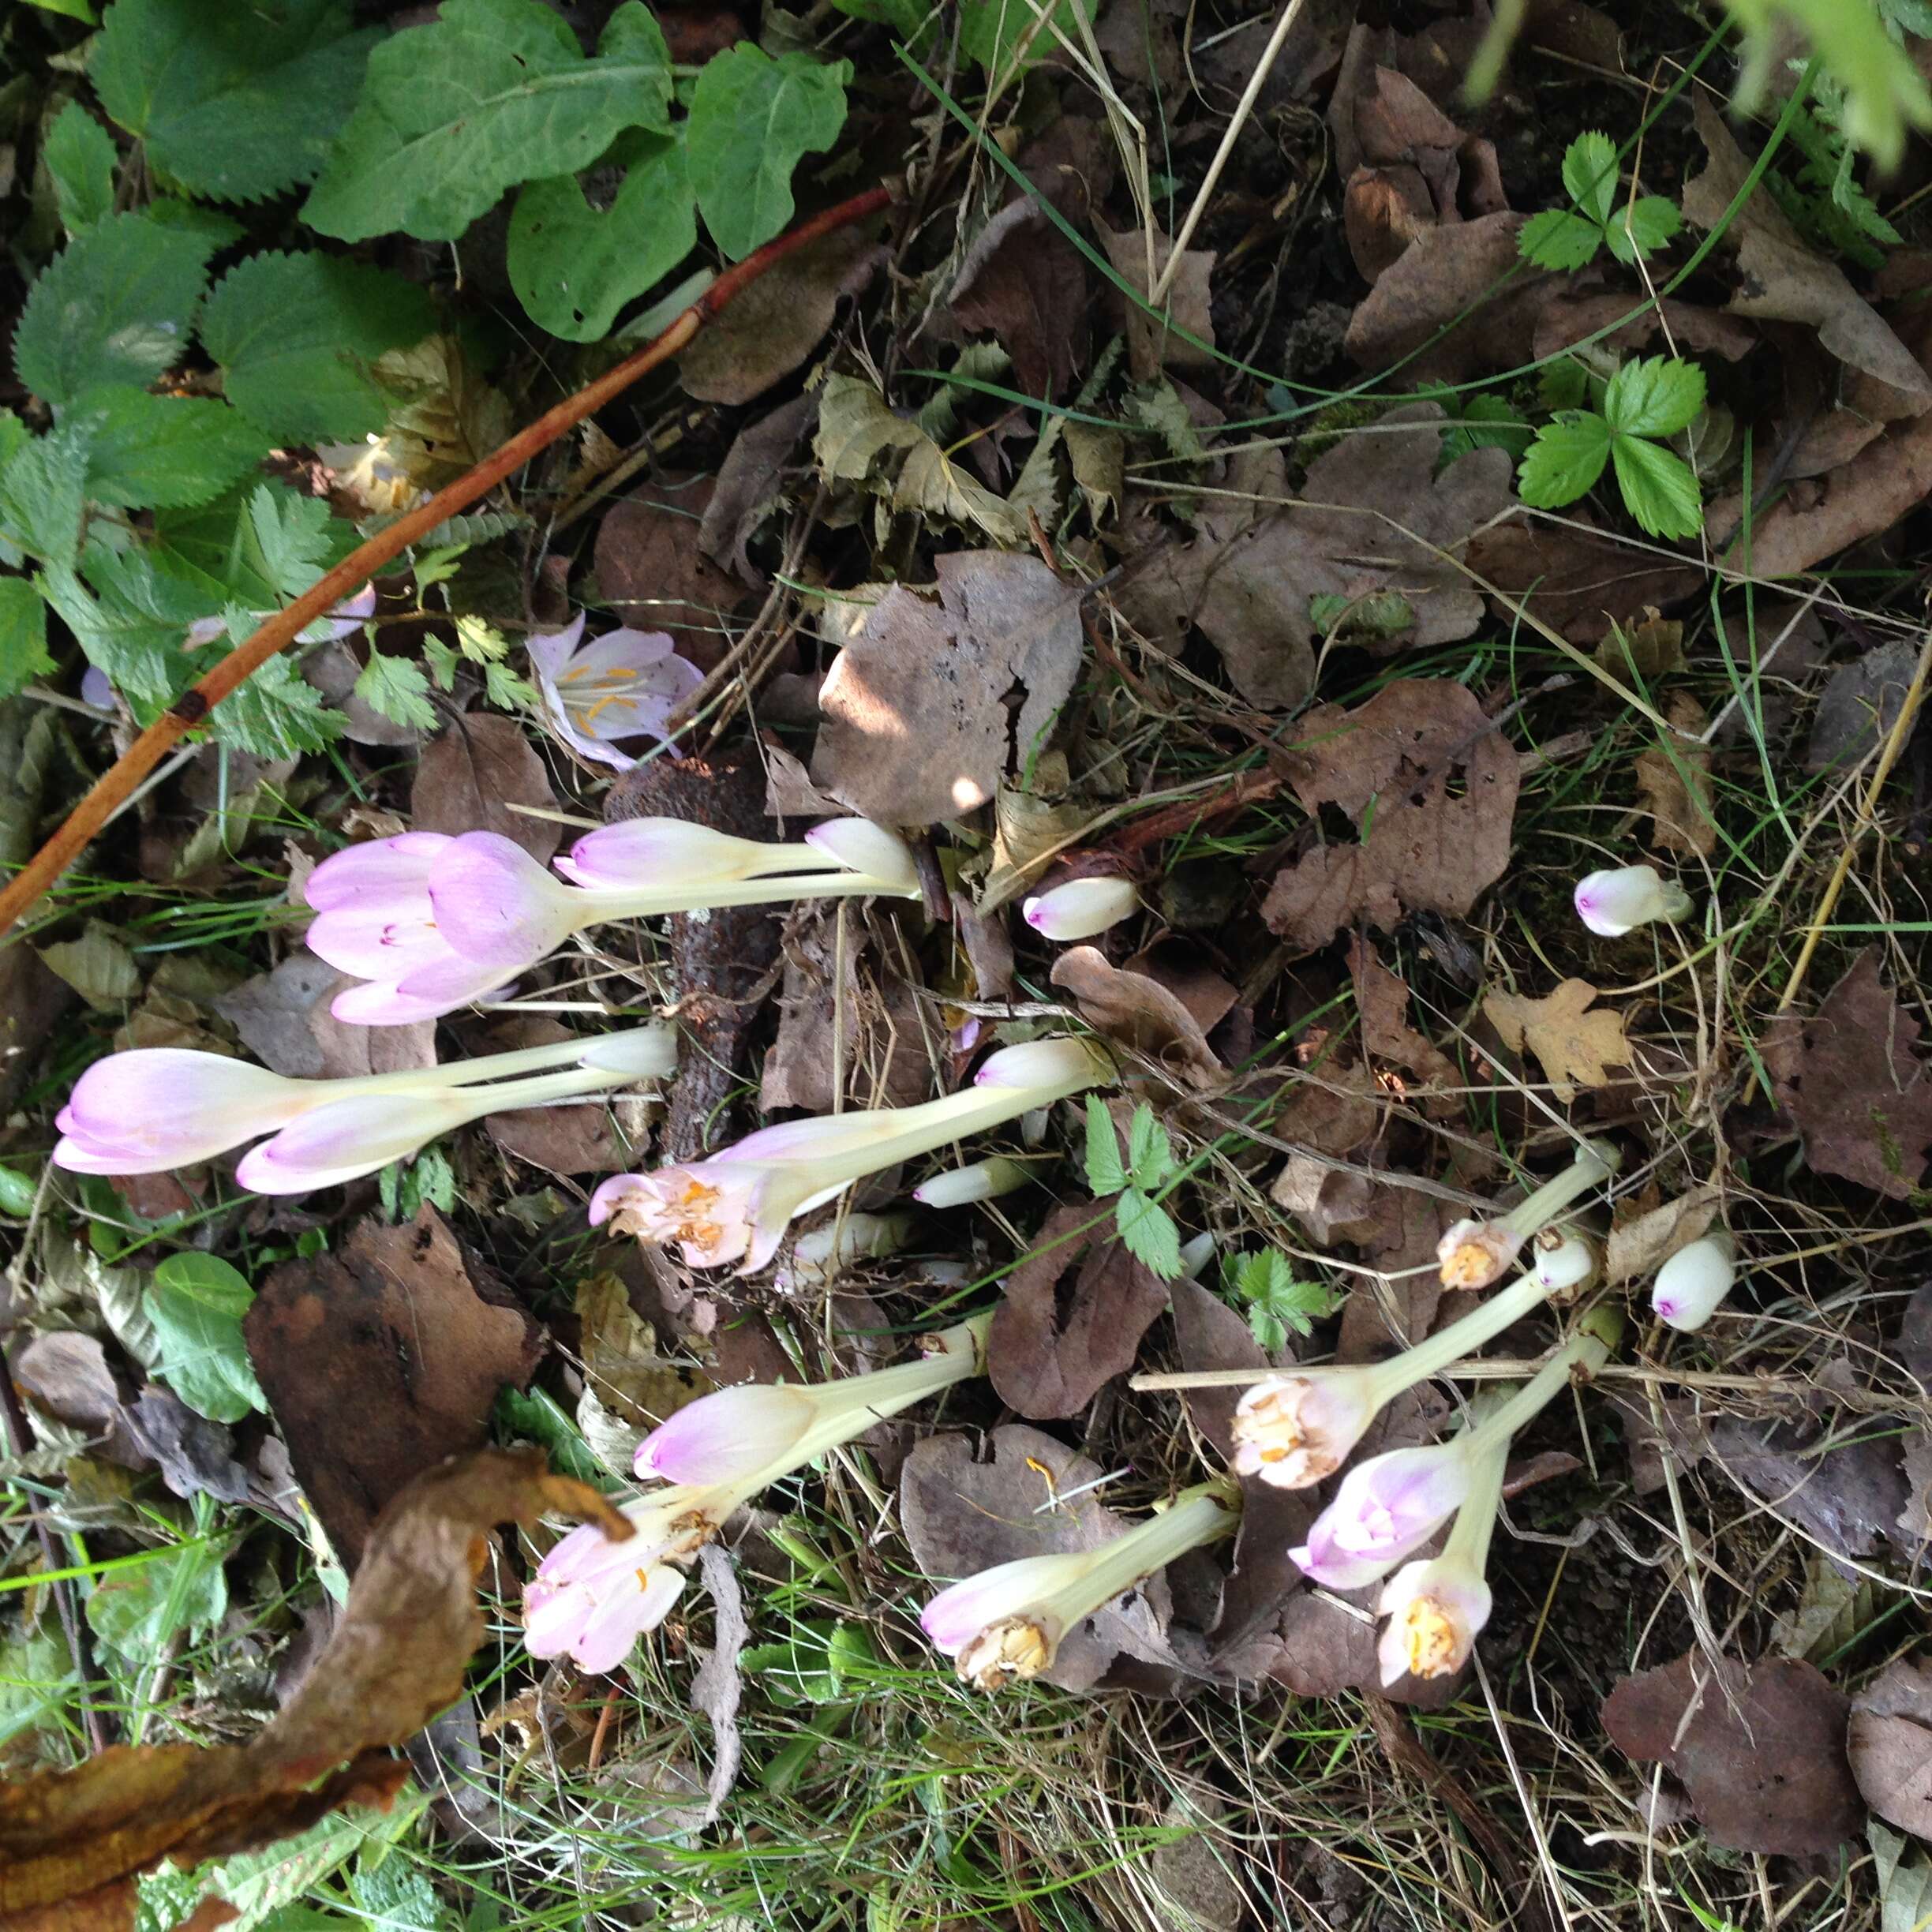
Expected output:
(735, 1205)
(624, 685)
(1472, 1253)
(1081, 908)
(1436, 1609)
(593, 1598)
(1615, 902)
(1692, 1284)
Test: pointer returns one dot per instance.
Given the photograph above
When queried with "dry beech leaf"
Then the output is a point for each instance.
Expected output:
(916, 725)
(580, 1136)
(873, 1022)
(1582, 584)
(1852, 1079)
(1640, 1243)
(1759, 1748)
(1151, 345)
(470, 775)
(1139, 1014)
(1848, 1499)
(1860, 704)
(284, 1020)
(1382, 1001)
(751, 483)
(1890, 1741)
(1575, 1046)
(1673, 782)
(71, 1842)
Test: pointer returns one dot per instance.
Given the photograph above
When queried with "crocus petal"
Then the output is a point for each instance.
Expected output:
(1294, 1430)
(348, 1138)
(1042, 1063)
(1081, 908)
(551, 650)
(97, 688)
(1386, 1510)
(387, 868)
(614, 1625)
(1435, 1611)
(1614, 902)
(157, 1108)
(861, 846)
(348, 618)
(426, 992)
(642, 854)
(372, 943)
(725, 1437)
(982, 1180)
(1693, 1282)
(959, 1613)
(494, 903)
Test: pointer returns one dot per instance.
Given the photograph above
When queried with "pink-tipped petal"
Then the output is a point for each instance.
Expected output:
(645, 854)
(861, 846)
(961, 1611)
(494, 904)
(725, 1437)
(1082, 907)
(379, 868)
(156, 1108)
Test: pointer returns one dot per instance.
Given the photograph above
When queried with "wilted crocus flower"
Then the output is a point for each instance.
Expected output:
(735, 1205)
(819, 1256)
(1473, 1253)
(984, 1180)
(1613, 903)
(157, 1109)
(1081, 908)
(625, 685)
(431, 922)
(1389, 1507)
(594, 1598)
(1692, 1284)
(1009, 1622)
(1436, 1609)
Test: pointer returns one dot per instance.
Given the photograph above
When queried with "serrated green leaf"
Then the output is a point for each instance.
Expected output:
(397, 688)
(131, 622)
(1653, 396)
(1565, 460)
(1105, 1172)
(258, 1885)
(274, 713)
(491, 93)
(23, 635)
(81, 158)
(234, 102)
(297, 336)
(149, 451)
(1643, 228)
(1556, 238)
(217, 553)
(1486, 422)
(752, 120)
(196, 1304)
(1589, 172)
(1660, 489)
(1564, 384)
(137, 1611)
(116, 305)
(573, 267)
(43, 492)
(1150, 1154)
(1151, 1237)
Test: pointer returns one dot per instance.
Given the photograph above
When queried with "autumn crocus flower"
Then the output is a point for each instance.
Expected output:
(735, 1205)
(1473, 1253)
(1436, 1609)
(1081, 908)
(625, 685)
(1694, 1281)
(594, 1598)
(1387, 1507)
(1009, 1622)
(1613, 903)
(431, 922)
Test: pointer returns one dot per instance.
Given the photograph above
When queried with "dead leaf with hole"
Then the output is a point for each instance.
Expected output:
(284, 1020)
(962, 1515)
(1579, 581)
(1890, 1742)
(1138, 1014)
(1575, 1046)
(71, 1843)
(1759, 1748)
(1051, 1350)
(919, 723)
(1152, 345)
(393, 1331)
(470, 775)
(1852, 1081)
(1431, 784)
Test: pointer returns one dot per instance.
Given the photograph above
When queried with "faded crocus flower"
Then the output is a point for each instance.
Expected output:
(1436, 1609)
(156, 1108)
(1473, 1253)
(625, 685)
(1009, 1622)
(819, 1256)
(734, 1207)
(594, 1598)
(1613, 903)
(1694, 1281)
(1081, 908)
(984, 1180)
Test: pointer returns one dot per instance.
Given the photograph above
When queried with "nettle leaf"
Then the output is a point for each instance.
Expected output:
(752, 120)
(1105, 1172)
(43, 492)
(491, 93)
(196, 1304)
(23, 635)
(297, 337)
(1654, 396)
(574, 266)
(148, 451)
(1589, 172)
(1151, 1237)
(234, 101)
(1556, 238)
(1660, 489)
(81, 158)
(1643, 228)
(116, 305)
(399, 689)
(1565, 460)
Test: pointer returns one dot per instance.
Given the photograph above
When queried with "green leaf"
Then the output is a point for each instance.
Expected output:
(535, 1416)
(275, 714)
(908, 19)
(574, 266)
(1276, 1298)
(1486, 422)
(1589, 172)
(752, 120)
(254, 547)
(131, 621)
(1660, 489)
(1654, 396)
(1643, 228)
(69, 10)
(147, 451)
(1564, 384)
(23, 635)
(491, 93)
(81, 157)
(397, 688)
(1150, 1154)
(43, 492)
(235, 102)
(992, 31)
(197, 1305)
(116, 305)
(1151, 1237)
(1557, 239)
(1565, 460)
(297, 336)
(17, 1193)
(1105, 1173)
(137, 1610)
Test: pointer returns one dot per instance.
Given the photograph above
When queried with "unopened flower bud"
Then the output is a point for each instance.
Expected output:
(1692, 1284)
(1615, 902)
(1081, 908)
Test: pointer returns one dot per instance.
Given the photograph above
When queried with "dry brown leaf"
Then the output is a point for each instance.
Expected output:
(469, 776)
(1579, 583)
(916, 725)
(70, 1842)
(1890, 1742)
(1139, 1014)
(1848, 1499)
(1650, 650)
(1382, 1000)
(580, 1137)
(653, 572)
(1576, 1046)
(284, 1019)
(1640, 1242)
(1023, 283)
(1673, 780)
(1151, 345)
(1860, 704)
(1420, 767)
(873, 1022)
(750, 484)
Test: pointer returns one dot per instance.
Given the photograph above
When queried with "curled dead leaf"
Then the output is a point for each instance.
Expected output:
(1137, 1013)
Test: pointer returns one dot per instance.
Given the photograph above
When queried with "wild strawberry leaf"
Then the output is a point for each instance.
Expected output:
(1660, 489)
(1565, 460)
(1653, 396)
(1558, 238)
(1589, 172)
(80, 157)
(1643, 228)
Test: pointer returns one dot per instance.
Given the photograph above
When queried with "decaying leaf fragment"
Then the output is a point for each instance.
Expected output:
(1673, 778)
(1137, 1012)
(1575, 1046)
(1891, 1745)
(75, 1840)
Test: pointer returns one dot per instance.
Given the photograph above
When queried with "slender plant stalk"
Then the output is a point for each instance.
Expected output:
(192, 707)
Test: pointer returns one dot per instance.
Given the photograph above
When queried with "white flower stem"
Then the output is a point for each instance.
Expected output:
(1467, 1542)
(1586, 1348)
(1595, 1161)
(483, 1067)
(596, 905)
(1197, 1516)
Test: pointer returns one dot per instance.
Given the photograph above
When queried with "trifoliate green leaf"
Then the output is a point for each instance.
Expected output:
(1559, 239)
(275, 713)
(116, 305)
(233, 102)
(1106, 1174)
(23, 635)
(1641, 229)
(491, 93)
(296, 336)
(1564, 384)
(1653, 396)
(1151, 1237)
(1660, 489)
(1565, 460)
(81, 157)
(397, 688)
(147, 451)
(1589, 172)
(196, 1304)
(574, 266)
(752, 120)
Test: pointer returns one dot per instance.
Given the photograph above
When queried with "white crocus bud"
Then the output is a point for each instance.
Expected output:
(983, 1180)
(1692, 1284)
(1613, 903)
(1081, 908)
